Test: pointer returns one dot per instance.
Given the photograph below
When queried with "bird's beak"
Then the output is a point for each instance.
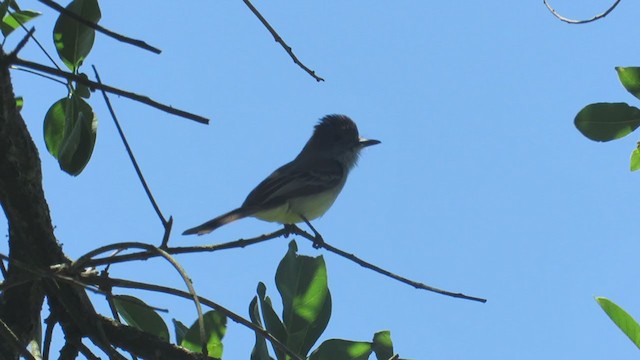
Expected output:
(367, 142)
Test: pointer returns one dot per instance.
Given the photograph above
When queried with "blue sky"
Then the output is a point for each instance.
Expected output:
(481, 184)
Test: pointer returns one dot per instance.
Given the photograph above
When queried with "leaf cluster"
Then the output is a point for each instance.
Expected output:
(70, 125)
(611, 121)
(302, 283)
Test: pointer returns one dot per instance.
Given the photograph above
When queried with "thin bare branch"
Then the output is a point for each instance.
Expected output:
(147, 190)
(571, 21)
(51, 78)
(22, 43)
(322, 244)
(110, 89)
(280, 41)
(87, 260)
(167, 232)
(139, 43)
(17, 19)
(114, 282)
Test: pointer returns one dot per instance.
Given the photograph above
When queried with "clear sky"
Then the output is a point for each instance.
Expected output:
(481, 184)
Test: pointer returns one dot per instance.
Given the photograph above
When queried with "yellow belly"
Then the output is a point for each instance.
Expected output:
(311, 207)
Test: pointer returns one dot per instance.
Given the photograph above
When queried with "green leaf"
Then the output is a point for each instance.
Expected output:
(215, 326)
(635, 159)
(81, 89)
(621, 318)
(271, 320)
(139, 315)
(630, 79)
(19, 103)
(73, 39)
(180, 330)
(13, 20)
(54, 122)
(70, 133)
(306, 301)
(260, 351)
(382, 345)
(338, 349)
(607, 121)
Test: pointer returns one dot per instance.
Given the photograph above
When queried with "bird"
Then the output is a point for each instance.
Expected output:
(305, 188)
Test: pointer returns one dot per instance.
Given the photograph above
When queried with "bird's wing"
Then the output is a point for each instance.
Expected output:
(291, 181)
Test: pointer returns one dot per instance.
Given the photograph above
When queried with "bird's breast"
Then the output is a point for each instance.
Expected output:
(311, 207)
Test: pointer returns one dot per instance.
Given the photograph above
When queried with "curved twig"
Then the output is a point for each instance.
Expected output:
(127, 245)
(139, 43)
(280, 41)
(571, 21)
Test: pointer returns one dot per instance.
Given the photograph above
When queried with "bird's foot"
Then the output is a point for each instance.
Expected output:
(289, 229)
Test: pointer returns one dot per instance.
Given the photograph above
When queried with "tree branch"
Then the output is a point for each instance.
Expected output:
(141, 342)
(418, 285)
(94, 85)
(280, 41)
(139, 43)
(571, 21)
(147, 190)
(31, 237)
(87, 260)
(183, 274)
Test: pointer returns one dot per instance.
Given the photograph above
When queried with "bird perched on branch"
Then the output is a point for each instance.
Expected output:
(305, 188)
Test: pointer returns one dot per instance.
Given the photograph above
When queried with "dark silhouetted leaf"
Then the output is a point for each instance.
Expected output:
(82, 89)
(271, 320)
(4, 6)
(54, 122)
(180, 330)
(139, 315)
(382, 345)
(73, 39)
(607, 121)
(260, 351)
(70, 133)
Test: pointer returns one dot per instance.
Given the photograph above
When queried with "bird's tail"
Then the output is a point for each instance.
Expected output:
(224, 219)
